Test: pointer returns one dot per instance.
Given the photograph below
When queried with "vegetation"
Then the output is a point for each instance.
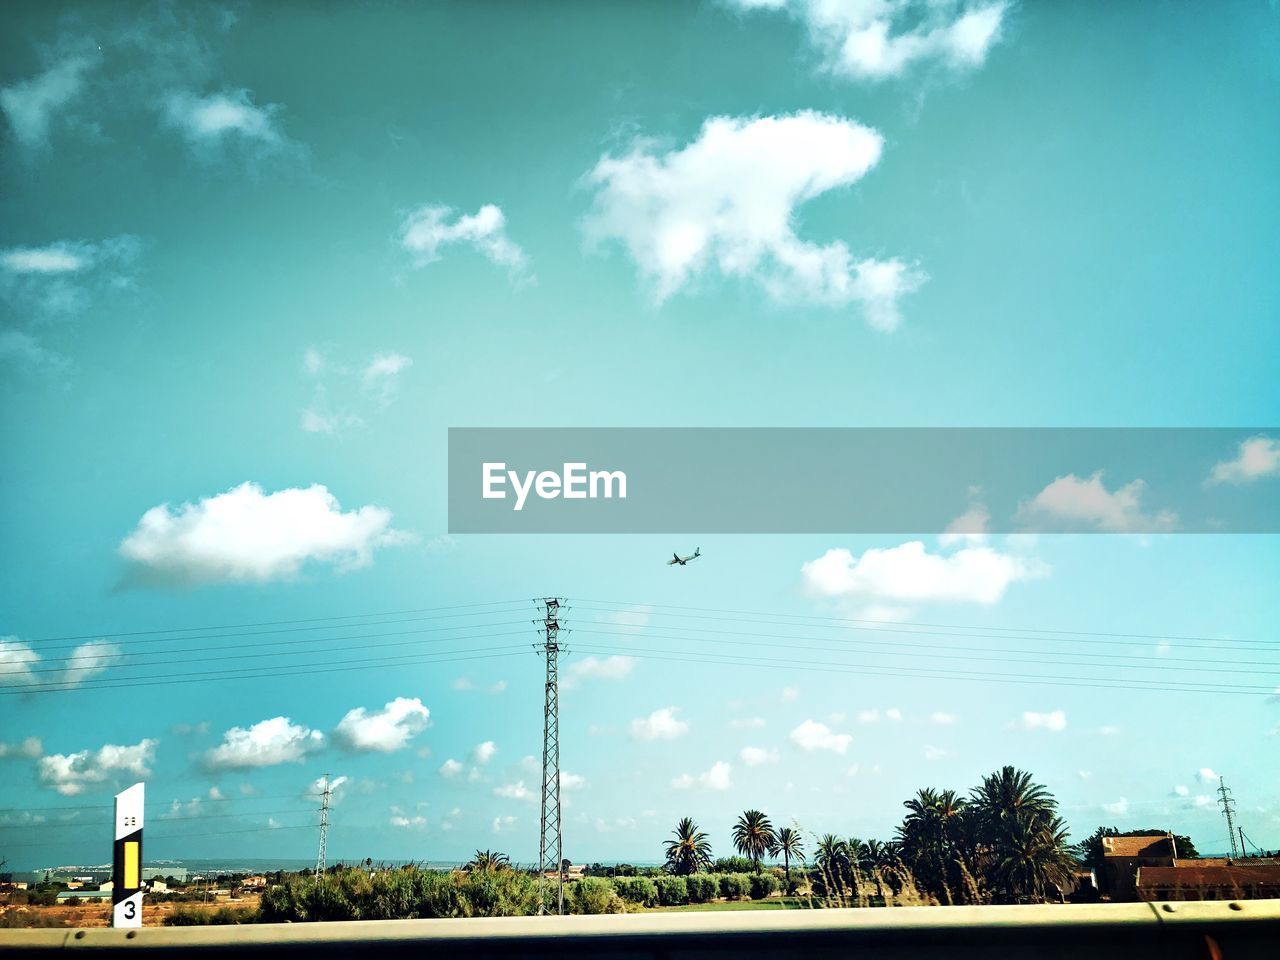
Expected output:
(200, 918)
(690, 851)
(753, 837)
(789, 843)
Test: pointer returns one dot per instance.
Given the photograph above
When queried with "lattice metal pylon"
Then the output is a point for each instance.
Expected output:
(1228, 808)
(324, 826)
(550, 846)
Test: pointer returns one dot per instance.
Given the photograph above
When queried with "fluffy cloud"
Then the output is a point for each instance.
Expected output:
(1207, 775)
(31, 105)
(942, 719)
(216, 121)
(484, 752)
(385, 730)
(264, 744)
(70, 773)
(758, 756)
(877, 39)
(515, 791)
(1088, 503)
(246, 535)
(1256, 458)
(30, 748)
(1117, 809)
(20, 664)
(717, 778)
(341, 392)
(427, 230)
(316, 790)
(812, 735)
(728, 202)
(597, 668)
(662, 724)
(381, 375)
(450, 769)
(408, 823)
(1055, 720)
(910, 573)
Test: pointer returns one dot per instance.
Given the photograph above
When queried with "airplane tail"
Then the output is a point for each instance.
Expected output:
(697, 551)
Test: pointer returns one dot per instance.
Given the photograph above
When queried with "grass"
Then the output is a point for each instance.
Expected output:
(773, 903)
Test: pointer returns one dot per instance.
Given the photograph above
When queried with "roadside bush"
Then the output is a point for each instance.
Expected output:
(641, 890)
(42, 898)
(672, 891)
(762, 885)
(735, 886)
(734, 865)
(201, 918)
(73, 901)
(703, 887)
(594, 895)
(499, 893)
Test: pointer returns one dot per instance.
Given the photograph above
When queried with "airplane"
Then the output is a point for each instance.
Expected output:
(684, 561)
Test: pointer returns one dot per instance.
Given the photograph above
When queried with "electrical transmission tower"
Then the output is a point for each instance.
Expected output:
(550, 847)
(324, 826)
(1228, 808)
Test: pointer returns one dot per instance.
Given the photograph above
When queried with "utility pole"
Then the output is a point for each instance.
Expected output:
(324, 826)
(550, 846)
(1228, 808)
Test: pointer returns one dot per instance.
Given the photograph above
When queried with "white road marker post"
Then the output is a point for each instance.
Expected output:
(126, 860)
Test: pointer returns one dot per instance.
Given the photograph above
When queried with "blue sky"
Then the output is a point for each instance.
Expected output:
(255, 261)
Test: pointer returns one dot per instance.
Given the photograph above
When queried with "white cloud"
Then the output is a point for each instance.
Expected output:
(385, 730)
(503, 824)
(498, 686)
(450, 769)
(943, 719)
(1055, 721)
(932, 753)
(264, 744)
(56, 258)
(746, 723)
(597, 668)
(30, 748)
(789, 694)
(869, 715)
(24, 350)
(571, 781)
(427, 230)
(729, 202)
(1256, 458)
(20, 665)
(381, 375)
(758, 756)
(246, 535)
(894, 714)
(1207, 775)
(631, 620)
(408, 823)
(484, 752)
(336, 786)
(717, 778)
(876, 39)
(1181, 791)
(463, 684)
(1108, 731)
(30, 105)
(812, 735)
(1118, 809)
(221, 118)
(1203, 802)
(662, 724)
(1089, 504)
(70, 773)
(515, 791)
(910, 573)
(970, 527)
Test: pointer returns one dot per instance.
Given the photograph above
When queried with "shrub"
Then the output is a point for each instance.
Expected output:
(201, 918)
(499, 893)
(594, 895)
(703, 887)
(762, 885)
(641, 890)
(672, 891)
(735, 886)
(72, 901)
(735, 865)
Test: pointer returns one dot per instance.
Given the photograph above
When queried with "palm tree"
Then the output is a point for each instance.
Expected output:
(1003, 794)
(790, 844)
(929, 836)
(486, 860)
(753, 836)
(831, 856)
(690, 851)
(1034, 857)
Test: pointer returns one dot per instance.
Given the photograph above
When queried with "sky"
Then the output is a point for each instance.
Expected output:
(257, 259)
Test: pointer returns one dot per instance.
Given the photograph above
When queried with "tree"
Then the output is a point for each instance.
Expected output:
(929, 836)
(488, 860)
(789, 843)
(690, 851)
(1033, 856)
(753, 836)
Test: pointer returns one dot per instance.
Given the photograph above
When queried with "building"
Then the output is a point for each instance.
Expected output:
(1123, 857)
(1194, 880)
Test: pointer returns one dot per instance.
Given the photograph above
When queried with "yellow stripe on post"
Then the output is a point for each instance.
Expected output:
(131, 865)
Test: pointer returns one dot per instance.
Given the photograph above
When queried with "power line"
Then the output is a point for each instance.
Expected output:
(109, 684)
(275, 623)
(915, 647)
(879, 624)
(774, 663)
